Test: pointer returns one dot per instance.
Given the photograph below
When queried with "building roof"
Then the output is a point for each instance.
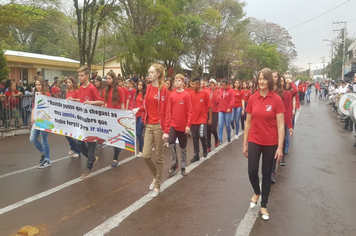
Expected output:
(38, 56)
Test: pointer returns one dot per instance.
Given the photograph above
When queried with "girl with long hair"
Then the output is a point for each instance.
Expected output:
(98, 83)
(157, 124)
(237, 108)
(139, 98)
(43, 147)
(72, 94)
(246, 94)
(113, 98)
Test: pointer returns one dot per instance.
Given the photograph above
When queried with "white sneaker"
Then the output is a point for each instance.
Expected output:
(236, 137)
(154, 193)
(71, 152)
(152, 186)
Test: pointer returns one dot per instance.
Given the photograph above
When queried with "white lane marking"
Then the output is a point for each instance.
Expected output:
(115, 220)
(245, 226)
(36, 167)
(56, 189)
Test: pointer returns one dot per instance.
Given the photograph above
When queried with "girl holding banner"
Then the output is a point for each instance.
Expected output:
(113, 98)
(43, 147)
(154, 117)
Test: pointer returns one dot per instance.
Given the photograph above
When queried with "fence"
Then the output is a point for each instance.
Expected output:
(15, 112)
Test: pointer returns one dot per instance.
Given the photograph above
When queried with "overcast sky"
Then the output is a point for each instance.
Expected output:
(308, 38)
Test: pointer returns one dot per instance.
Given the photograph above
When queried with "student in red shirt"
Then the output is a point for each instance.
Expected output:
(42, 146)
(264, 134)
(113, 98)
(179, 111)
(11, 104)
(154, 117)
(251, 87)
(201, 105)
(237, 107)
(214, 93)
(72, 94)
(55, 90)
(125, 92)
(169, 85)
(225, 108)
(246, 94)
(89, 94)
(131, 91)
(98, 83)
(139, 98)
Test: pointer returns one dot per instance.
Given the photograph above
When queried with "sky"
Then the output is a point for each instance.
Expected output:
(308, 38)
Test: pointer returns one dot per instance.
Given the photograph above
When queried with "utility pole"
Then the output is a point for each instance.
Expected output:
(323, 71)
(310, 71)
(344, 46)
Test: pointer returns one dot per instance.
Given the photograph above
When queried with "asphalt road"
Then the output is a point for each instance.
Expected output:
(314, 193)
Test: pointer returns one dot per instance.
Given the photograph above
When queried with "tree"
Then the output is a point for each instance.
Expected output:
(259, 57)
(89, 18)
(261, 32)
(4, 71)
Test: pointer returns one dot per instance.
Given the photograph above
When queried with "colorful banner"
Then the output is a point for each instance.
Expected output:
(87, 123)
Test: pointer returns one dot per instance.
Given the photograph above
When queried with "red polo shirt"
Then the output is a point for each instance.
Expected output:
(200, 104)
(109, 103)
(246, 94)
(139, 103)
(152, 106)
(263, 112)
(238, 98)
(73, 94)
(214, 99)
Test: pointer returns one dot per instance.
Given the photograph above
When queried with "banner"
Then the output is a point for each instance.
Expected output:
(87, 123)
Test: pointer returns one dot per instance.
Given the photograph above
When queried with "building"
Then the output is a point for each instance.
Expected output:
(23, 66)
(110, 64)
(350, 62)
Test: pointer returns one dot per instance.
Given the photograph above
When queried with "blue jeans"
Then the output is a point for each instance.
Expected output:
(43, 147)
(235, 119)
(286, 140)
(307, 96)
(224, 118)
(73, 145)
(139, 131)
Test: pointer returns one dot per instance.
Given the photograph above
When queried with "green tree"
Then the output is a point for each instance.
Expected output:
(4, 71)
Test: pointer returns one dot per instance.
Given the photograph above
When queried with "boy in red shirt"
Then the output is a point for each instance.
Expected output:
(178, 104)
(88, 95)
(201, 105)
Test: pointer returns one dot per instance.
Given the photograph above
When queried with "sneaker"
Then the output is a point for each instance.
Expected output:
(42, 159)
(285, 153)
(236, 136)
(229, 140)
(76, 155)
(173, 168)
(152, 186)
(87, 173)
(209, 149)
(216, 143)
(114, 163)
(44, 164)
(205, 153)
(139, 154)
(220, 142)
(195, 158)
(183, 172)
(283, 163)
(273, 179)
(154, 193)
(71, 152)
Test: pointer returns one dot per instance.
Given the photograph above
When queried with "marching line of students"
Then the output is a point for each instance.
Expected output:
(168, 114)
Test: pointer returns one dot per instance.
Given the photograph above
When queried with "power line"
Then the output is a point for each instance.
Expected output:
(318, 15)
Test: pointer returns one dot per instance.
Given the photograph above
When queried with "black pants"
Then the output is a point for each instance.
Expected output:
(199, 132)
(212, 129)
(88, 150)
(182, 137)
(349, 123)
(116, 153)
(254, 154)
(286, 132)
